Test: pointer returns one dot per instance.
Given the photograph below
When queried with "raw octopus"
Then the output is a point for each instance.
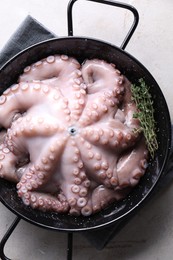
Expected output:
(68, 139)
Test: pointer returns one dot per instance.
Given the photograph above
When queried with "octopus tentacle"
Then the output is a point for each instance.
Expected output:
(38, 126)
(46, 202)
(78, 182)
(30, 126)
(102, 197)
(33, 180)
(132, 165)
(99, 106)
(8, 164)
(97, 74)
(39, 93)
(13, 99)
(61, 72)
(50, 67)
(120, 138)
(128, 107)
(99, 167)
(78, 99)
(38, 174)
(102, 102)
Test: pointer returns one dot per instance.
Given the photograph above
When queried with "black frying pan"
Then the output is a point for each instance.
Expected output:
(87, 48)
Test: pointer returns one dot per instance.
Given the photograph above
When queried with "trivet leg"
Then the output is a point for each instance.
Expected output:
(6, 237)
(70, 246)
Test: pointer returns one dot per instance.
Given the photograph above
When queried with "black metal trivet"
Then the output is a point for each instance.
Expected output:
(25, 37)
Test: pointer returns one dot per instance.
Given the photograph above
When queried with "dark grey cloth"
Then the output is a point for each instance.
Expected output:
(29, 33)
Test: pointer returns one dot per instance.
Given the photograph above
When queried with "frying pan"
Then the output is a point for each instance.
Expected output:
(88, 48)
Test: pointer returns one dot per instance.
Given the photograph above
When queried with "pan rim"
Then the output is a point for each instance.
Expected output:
(165, 157)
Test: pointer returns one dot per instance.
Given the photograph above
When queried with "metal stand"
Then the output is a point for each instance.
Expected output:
(6, 237)
(12, 228)
(111, 3)
(70, 246)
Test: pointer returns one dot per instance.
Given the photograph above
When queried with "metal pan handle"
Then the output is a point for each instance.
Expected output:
(107, 2)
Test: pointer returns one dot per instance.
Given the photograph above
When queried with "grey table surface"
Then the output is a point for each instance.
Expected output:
(149, 235)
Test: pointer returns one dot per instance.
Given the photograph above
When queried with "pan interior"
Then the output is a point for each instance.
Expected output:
(82, 48)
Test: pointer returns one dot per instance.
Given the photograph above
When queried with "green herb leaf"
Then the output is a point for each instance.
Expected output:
(143, 100)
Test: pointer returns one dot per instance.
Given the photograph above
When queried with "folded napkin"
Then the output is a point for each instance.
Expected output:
(31, 32)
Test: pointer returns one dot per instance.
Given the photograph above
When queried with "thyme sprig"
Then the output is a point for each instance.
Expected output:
(143, 99)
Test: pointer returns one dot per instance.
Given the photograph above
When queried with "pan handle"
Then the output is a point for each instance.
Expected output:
(107, 2)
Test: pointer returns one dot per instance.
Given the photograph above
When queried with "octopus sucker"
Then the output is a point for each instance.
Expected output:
(81, 202)
(86, 211)
(49, 59)
(68, 139)
(2, 99)
(83, 192)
